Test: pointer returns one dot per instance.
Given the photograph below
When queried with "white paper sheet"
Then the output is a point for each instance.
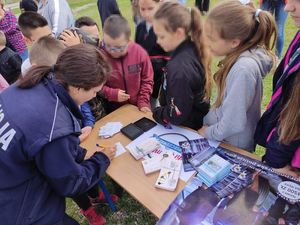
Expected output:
(119, 149)
(110, 129)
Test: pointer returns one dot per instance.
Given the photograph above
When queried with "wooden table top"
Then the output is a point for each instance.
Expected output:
(128, 172)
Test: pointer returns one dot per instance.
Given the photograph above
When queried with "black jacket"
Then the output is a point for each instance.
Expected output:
(159, 58)
(182, 92)
(10, 65)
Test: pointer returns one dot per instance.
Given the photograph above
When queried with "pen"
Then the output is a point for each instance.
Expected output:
(100, 146)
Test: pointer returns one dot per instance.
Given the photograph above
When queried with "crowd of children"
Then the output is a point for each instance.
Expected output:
(166, 71)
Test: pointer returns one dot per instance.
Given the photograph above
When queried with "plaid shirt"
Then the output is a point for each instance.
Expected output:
(8, 24)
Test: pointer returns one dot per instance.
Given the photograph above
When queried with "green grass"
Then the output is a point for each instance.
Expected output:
(129, 210)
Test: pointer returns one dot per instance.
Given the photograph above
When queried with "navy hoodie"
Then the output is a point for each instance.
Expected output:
(41, 161)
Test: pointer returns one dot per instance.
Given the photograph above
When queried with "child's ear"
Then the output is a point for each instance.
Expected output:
(180, 33)
(235, 43)
(28, 41)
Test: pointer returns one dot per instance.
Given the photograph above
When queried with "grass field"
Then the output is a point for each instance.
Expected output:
(130, 211)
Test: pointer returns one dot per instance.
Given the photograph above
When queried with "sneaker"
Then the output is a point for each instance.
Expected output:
(101, 199)
(93, 217)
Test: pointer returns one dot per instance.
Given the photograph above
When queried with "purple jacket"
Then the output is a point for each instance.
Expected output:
(266, 134)
(8, 24)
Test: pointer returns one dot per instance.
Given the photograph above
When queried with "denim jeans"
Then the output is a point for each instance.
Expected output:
(276, 7)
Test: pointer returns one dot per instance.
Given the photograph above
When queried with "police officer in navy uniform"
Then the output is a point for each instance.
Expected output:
(41, 161)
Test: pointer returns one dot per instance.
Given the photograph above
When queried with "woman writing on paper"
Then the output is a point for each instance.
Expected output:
(39, 144)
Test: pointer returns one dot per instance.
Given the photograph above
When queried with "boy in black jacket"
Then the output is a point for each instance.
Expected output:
(10, 61)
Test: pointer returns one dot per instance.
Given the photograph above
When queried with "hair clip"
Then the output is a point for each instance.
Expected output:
(257, 12)
(245, 2)
(256, 15)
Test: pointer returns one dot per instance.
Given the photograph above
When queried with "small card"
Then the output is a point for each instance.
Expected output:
(144, 148)
(119, 149)
(169, 176)
(151, 165)
(154, 164)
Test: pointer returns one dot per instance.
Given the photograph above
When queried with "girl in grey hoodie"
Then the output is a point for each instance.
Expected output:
(243, 36)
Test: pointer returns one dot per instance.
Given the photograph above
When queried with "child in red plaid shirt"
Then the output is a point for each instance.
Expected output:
(8, 24)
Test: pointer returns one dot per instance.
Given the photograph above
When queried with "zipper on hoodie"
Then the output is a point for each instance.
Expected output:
(123, 76)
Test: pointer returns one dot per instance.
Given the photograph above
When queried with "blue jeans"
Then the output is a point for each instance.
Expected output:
(276, 7)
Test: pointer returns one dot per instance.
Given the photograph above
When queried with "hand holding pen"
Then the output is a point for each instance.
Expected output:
(110, 152)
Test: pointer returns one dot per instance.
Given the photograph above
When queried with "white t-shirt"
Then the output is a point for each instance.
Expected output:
(25, 66)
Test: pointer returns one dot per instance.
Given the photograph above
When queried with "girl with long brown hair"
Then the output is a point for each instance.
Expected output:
(41, 161)
(244, 37)
(279, 128)
(283, 141)
(185, 92)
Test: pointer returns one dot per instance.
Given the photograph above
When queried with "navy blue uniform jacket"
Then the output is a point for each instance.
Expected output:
(41, 161)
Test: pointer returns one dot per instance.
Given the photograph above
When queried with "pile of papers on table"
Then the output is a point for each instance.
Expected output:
(213, 170)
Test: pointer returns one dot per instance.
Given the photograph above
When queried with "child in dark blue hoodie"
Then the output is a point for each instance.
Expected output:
(41, 161)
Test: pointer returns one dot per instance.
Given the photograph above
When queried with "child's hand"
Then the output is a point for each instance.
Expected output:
(85, 132)
(110, 152)
(201, 131)
(145, 109)
(122, 96)
(289, 171)
(69, 38)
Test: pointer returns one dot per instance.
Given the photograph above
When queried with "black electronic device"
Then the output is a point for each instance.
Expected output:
(132, 131)
(145, 124)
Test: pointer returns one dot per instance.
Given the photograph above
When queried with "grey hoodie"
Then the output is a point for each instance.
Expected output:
(57, 13)
(234, 122)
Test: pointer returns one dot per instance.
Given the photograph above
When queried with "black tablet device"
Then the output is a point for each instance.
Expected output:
(132, 131)
(145, 124)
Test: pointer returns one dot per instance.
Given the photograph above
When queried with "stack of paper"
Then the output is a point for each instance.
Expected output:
(110, 129)
(214, 170)
(145, 147)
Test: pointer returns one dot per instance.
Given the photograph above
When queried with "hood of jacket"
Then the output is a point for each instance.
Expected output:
(262, 58)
